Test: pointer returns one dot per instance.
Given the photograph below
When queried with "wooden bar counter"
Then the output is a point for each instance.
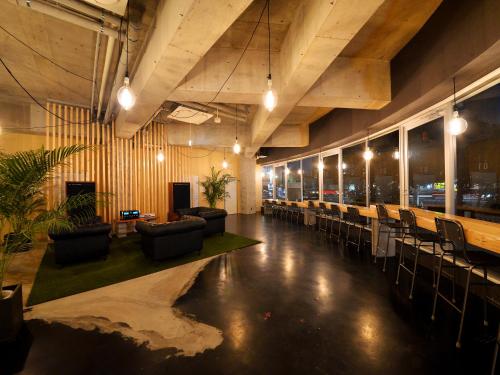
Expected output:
(480, 233)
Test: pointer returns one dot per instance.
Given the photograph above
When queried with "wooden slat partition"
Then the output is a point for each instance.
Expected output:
(126, 168)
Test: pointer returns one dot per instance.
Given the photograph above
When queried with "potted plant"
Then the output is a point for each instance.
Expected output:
(215, 187)
(24, 215)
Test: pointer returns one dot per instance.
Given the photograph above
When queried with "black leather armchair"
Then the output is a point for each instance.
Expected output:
(162, 241)
(85, 242)
(215, 217)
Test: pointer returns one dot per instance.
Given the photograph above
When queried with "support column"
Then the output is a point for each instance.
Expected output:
(248, 200)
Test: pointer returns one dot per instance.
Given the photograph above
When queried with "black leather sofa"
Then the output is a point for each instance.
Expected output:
(85, 242)
(162, 241)
(215, 217)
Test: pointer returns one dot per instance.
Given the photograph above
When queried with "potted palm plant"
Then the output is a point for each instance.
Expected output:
(24, 215)
(215, 187)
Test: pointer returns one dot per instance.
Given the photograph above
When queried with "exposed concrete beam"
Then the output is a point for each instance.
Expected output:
(352, 83)
(289, 136)
(347, 83)
(319, 32)
(182, 36)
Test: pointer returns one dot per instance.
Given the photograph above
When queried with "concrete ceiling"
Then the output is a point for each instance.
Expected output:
(325, 55)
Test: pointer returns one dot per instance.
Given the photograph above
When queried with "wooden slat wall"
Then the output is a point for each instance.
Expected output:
(126, 168)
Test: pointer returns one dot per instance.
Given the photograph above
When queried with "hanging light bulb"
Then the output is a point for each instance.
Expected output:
(125, 95)
(368, 154)
(225, 164)
(236, 146)
(457, 124)
(344, 166)
(287, 171)
(160, 157)
(299, 171)
(395, 154)
(321, 165)
(190, 143)
(270, 99)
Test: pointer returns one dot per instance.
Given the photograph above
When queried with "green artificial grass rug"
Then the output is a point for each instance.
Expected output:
(125, 261)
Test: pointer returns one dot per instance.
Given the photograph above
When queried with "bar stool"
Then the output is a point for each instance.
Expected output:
(283, 210)
(456, 252)
(322, 216)
(417, 238)
(354, 221)
(275, 209)
(336, 215)
(296, 211)
(312, 209)
(390, 228)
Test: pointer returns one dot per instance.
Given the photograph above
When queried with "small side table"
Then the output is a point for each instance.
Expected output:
(124, 227)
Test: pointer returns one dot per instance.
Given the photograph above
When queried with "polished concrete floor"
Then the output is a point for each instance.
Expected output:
(296, 303)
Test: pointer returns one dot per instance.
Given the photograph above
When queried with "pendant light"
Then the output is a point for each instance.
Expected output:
(270, 99)
(161, 156)
(125, 95)
(368, 154)
(457, 124)
(224, 162)
(190, 142)
(396, 154)
(236, 146)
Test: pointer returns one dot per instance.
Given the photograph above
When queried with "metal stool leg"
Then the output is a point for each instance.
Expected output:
(417, 250)
(378, 241)
(386, 249)
(359, 236)
(495, 353)
(458, 343)
(485, 297)
(433, 316)
(400, 258)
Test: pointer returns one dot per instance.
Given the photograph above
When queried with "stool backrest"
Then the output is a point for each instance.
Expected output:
(335, 210)
(382, 213)
(322, 205)
(294, 205)
(283, 203)
(310, 204)
(451, 232)
(353, 213)
(408, 220)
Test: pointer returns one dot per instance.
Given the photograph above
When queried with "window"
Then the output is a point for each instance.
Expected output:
(354, 173)
(294, 181)
(478, 158)
(384, 169)
(331, 178)
(267, 182)
(279, 177)
(426, 166)
(310, 178)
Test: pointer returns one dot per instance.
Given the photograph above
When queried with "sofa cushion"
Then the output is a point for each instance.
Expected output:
(187, 224)
(212, 213)
(193, 211)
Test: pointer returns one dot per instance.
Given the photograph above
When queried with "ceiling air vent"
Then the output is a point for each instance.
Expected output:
(191, 116)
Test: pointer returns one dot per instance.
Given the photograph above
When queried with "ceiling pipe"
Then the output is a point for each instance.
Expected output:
(91, 11)
(105, 73)
(94, 74)
(65, 15)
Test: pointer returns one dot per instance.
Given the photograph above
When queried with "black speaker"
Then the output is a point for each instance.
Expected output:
(180, 195)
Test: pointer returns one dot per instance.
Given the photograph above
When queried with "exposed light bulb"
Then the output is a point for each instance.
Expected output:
(368, 154)
(236, 147)
(217, 120)
(344, 166)
(270, 99)
(395, 154)
(160, 157)
(321, 165)
(457, 124)
(299, 171)
(125, 95)
(190, 143)
(287, 171)
(224, 164)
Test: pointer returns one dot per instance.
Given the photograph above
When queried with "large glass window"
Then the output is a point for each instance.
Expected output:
(426, 166)
(279, 177)
(294, 181)
(267, 182)
(384, 169)
(331, 178)
(478, 158)
(354, 175)
(310, 178)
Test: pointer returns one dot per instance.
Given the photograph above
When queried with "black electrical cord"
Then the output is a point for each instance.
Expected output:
(241, 56)
(269, 37)
(43, 56)
(36, 100)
